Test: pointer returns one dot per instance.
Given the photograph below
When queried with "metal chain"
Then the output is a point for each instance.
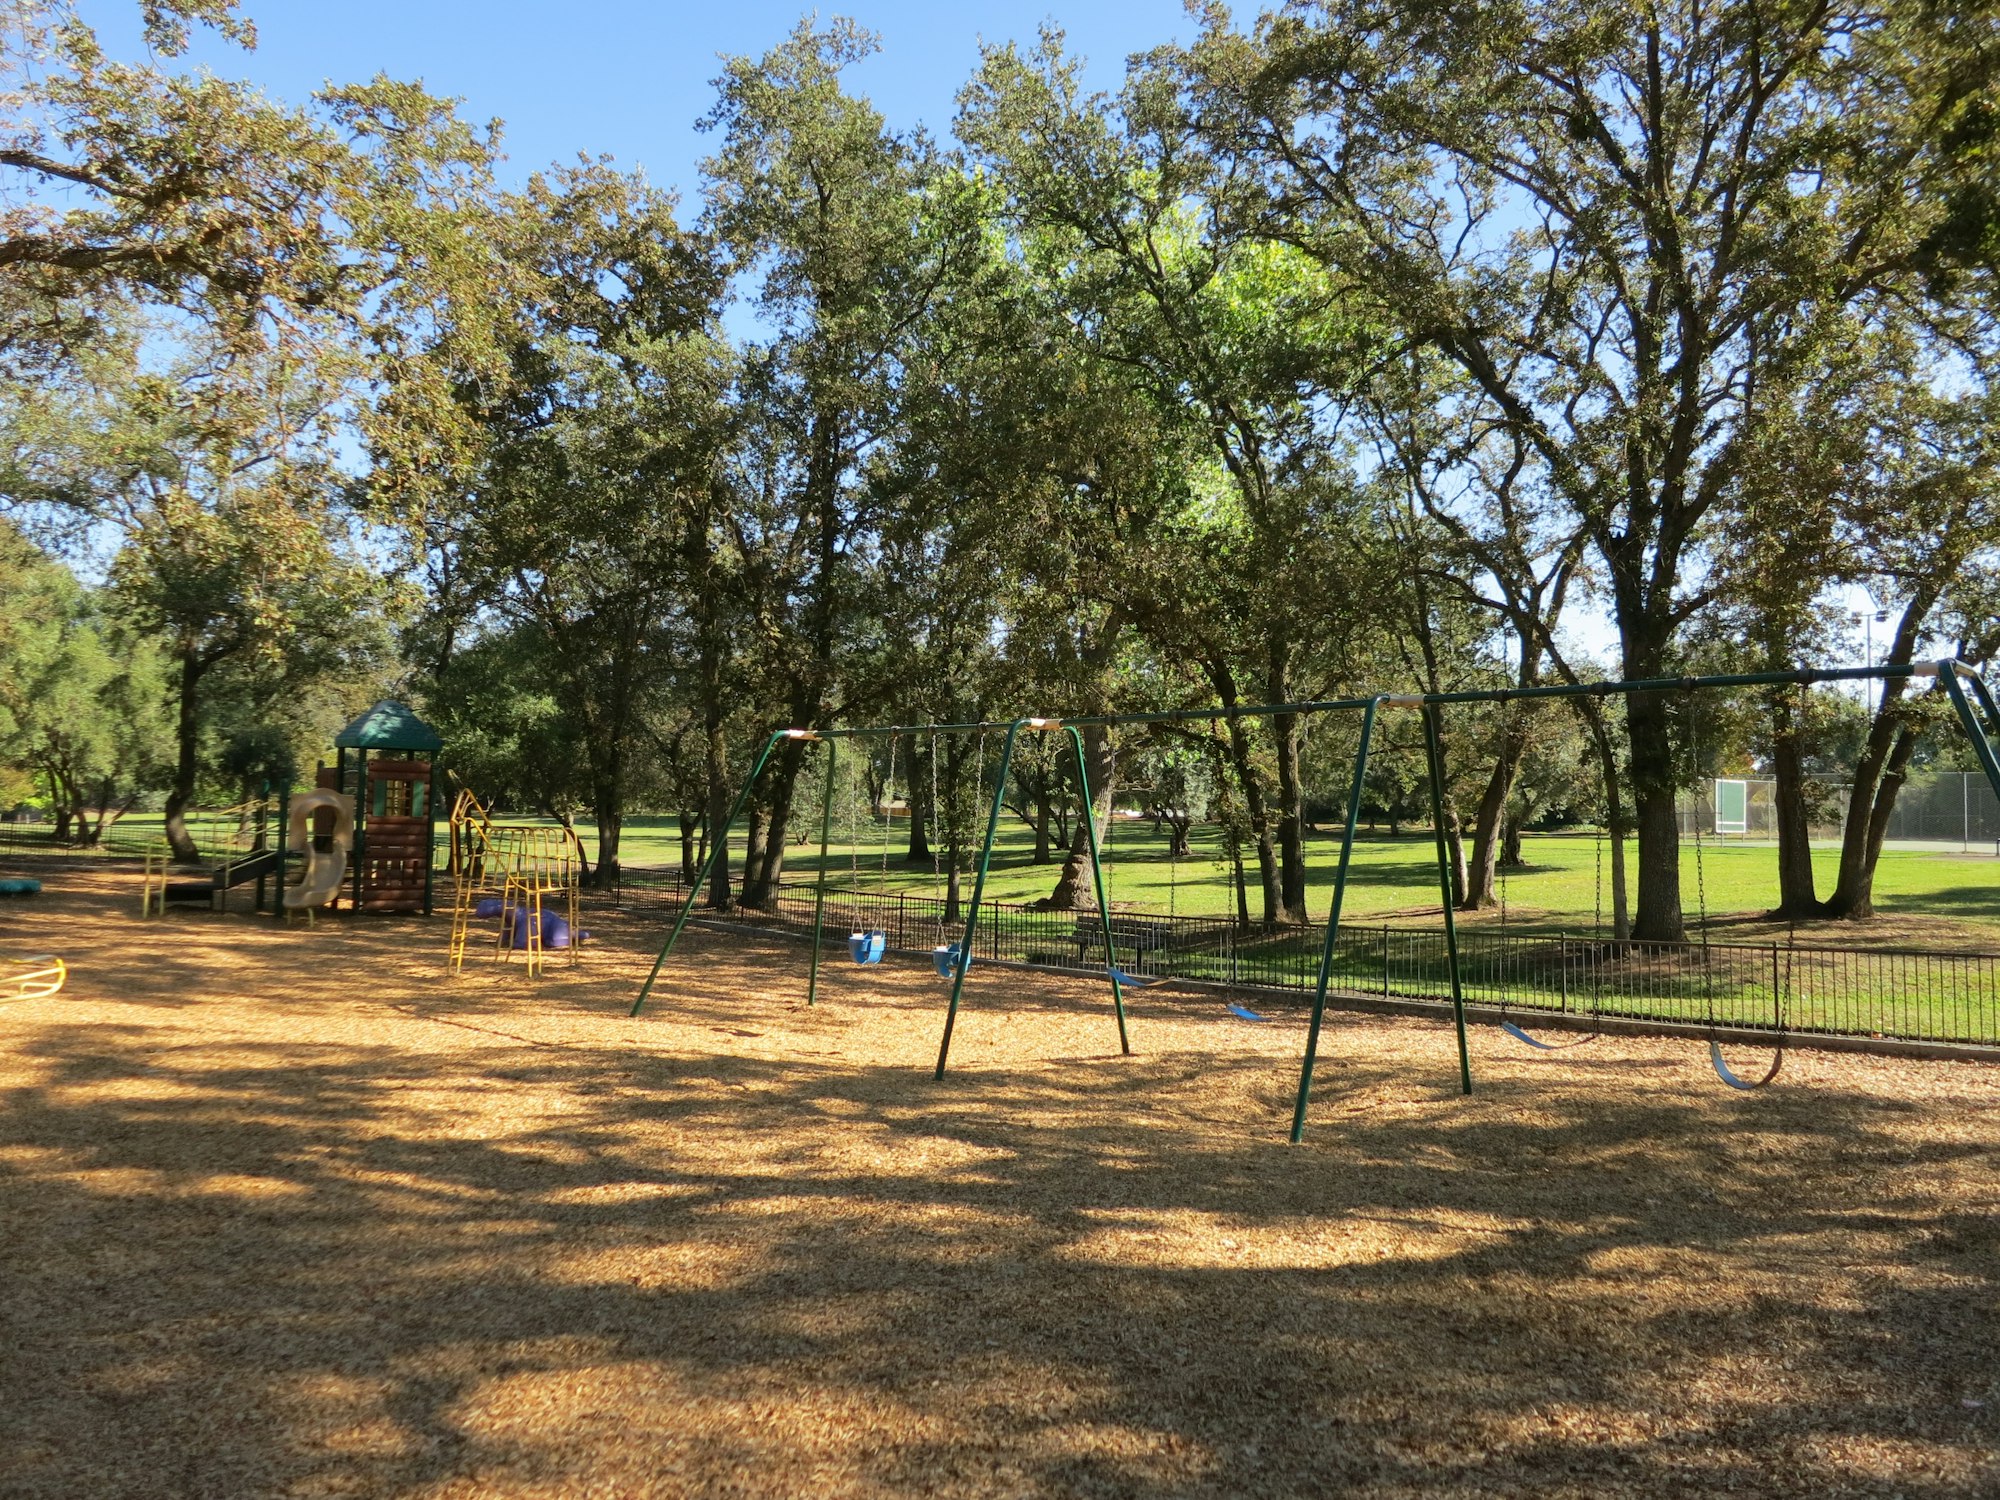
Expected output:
(888, 814)
(936, 842)
(1700, 866)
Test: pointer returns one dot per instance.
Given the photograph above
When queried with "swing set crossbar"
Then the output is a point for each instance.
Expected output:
(1977, 709)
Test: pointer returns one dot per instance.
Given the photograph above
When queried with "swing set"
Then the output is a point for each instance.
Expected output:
(1971, 698)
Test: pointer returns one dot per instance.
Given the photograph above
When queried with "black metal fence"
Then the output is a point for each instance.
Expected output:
(1918, 996)
(216, 838)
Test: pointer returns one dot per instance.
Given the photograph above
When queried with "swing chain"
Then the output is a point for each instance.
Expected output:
(936, 840)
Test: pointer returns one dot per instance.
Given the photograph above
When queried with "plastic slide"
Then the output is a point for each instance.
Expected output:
(325, 869)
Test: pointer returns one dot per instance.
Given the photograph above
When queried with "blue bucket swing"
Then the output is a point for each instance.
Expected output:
(946, 956)
(867, 947)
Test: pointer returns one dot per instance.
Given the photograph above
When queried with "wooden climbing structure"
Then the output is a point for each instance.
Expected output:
(386, 763)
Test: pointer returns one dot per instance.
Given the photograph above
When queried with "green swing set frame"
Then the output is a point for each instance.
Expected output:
(1968, 692)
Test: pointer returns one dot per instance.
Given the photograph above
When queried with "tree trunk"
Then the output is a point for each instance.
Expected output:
(754, 828)
(1489, 822)
(1257, 814)
(1879, 775)
(690, 863)
(1041, 793)
(715, 832)
(59, 828)
(1798, 901)
(607, 797)
(1073, 888)
(1454, 844)
(918, 802)
(1614, 813)
(608, 810)
(1291, 816)
(762, 873)
(1650, 733)
(1854, 893)
(187, 735)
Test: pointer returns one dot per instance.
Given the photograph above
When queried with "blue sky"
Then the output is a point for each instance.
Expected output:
(630, 79)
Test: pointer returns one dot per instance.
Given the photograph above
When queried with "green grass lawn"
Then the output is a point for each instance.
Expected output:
(1399, 875)
(1391, 876)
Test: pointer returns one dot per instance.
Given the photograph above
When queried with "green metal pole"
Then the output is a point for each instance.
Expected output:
(1333, 922)
(819, 888)
(964, 964)
(1103, 906)
(716, 845)
(1982, 744)
(1434, 753)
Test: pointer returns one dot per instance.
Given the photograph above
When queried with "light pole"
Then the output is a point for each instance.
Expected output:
(1868, 622)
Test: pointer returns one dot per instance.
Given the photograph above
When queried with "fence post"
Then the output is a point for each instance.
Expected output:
(1385, 960)
(1562, 971)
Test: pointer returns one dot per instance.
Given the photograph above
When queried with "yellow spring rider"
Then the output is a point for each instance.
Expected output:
(31, 976)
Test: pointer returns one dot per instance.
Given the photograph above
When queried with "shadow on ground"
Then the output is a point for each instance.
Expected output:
(343, 1248)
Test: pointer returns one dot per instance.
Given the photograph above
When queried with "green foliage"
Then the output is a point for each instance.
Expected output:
(82, 701)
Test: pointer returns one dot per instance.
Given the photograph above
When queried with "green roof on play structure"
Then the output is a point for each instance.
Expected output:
(388, 726)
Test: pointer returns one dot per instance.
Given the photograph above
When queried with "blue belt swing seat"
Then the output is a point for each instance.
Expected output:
(867, 947)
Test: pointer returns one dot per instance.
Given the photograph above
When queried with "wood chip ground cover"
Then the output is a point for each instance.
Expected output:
(294, 1212)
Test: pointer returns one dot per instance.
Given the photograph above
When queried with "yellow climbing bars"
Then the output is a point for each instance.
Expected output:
(535, 871)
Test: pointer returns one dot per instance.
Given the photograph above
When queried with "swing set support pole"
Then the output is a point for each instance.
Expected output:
(1955, 677)
(819, 886)
(719, 843)
(1434, 753)
(1097, 877)
(964, 965)
(1333, 922)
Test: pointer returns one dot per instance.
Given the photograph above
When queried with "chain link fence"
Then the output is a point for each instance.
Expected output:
(1940, 809)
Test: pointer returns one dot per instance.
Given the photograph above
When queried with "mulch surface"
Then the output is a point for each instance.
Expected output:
(295, 1212)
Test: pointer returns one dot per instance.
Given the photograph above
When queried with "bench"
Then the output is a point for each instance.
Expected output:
(1134, 936)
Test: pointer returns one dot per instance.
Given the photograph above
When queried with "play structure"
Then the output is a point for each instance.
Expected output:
(360, 839)
(527, 877)
(384, 763)
(1969, 695)
(246, 845)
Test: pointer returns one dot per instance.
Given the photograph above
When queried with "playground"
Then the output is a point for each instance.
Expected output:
(1035, 751)
(314, 1216)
